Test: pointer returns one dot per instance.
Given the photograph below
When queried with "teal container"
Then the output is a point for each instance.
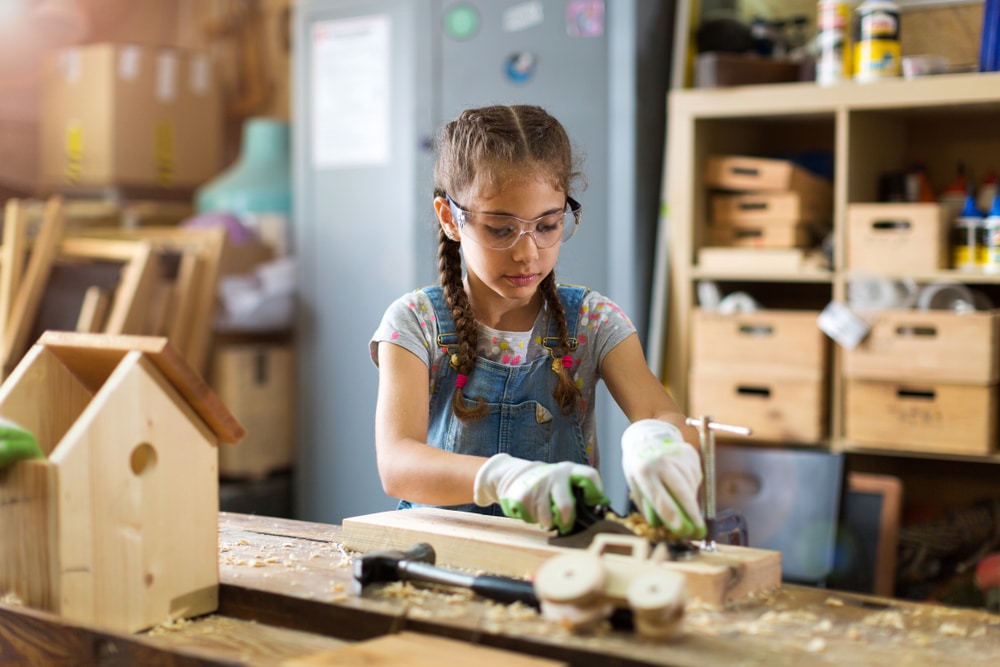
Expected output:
(260, 180)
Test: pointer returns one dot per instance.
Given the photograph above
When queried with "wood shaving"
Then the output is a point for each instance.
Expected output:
(833, 602)
(11, 599)
(816, 645)
(952, 630)
(886, 619)
(171, 625)
(637, 523)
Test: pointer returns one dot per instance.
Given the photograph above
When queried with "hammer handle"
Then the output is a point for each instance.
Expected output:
(501, 589)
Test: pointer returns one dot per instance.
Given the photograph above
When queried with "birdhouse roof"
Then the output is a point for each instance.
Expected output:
(92, 357)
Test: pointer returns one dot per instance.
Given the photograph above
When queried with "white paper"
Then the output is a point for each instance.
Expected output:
(351, 92)
(523, 16)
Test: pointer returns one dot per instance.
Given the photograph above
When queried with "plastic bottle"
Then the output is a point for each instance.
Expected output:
(833, 37)
(966, 234)
(876, 50)
(987, 190)
(989, 250)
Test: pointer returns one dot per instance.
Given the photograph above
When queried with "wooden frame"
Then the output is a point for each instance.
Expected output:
(890, 489)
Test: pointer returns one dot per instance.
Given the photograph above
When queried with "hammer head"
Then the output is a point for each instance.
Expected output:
(383, 566)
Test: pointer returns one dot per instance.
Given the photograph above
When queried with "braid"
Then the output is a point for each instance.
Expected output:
(566, 393)
(464, 361)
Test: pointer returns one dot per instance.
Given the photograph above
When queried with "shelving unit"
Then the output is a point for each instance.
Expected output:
(869, 130)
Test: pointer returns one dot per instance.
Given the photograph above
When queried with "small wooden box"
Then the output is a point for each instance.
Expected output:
(904, 238)
(767, 343)
(761, 235)
(754, 174)
(781, 409)
(770, 208)
(257, 382)
(929, 346)
(943, 418)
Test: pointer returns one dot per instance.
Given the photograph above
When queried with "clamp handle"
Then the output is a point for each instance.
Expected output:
(706, 433)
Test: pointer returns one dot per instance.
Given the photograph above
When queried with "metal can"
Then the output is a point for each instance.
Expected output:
(833, 37)
(876, 47)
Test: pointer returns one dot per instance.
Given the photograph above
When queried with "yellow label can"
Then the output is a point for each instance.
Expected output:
(876, 47)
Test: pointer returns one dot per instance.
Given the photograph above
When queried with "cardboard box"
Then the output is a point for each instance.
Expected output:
(897, 238)
(257, 383)
(777, 409)
(942, 418)
(770, 208)
(129, 116)
(755, 174)
(929, 346)
(767, 344)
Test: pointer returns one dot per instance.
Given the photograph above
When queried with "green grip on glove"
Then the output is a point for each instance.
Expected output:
(17, 444)
(591, 495)
(689, 527)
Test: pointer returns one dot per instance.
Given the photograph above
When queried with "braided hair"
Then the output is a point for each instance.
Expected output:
(479, 151)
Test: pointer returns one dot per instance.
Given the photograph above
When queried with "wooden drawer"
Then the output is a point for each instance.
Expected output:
(779, 409)
(771, 343)
(754, 174)
(903, 238)
(929, 346)
(769, 208)
(944, 418)
(761, 235)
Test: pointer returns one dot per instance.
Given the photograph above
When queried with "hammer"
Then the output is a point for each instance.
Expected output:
(417, 564)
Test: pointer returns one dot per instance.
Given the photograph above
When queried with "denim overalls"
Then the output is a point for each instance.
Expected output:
(524, 419)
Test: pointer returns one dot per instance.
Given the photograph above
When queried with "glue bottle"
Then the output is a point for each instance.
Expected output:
(966, 234)
(876, 48)
(990, 245)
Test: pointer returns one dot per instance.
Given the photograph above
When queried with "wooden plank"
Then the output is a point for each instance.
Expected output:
(94, 310)
(409, 649)
(27, 533)
(32, 287)
(511, 547)
(12, 255)
(92, 357)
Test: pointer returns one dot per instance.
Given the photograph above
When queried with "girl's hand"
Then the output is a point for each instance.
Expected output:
(663, 474)
(537, 492)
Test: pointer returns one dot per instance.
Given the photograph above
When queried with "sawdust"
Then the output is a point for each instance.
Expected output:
(11, 599)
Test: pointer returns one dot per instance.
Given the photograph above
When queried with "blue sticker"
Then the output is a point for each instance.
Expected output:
(520, 67)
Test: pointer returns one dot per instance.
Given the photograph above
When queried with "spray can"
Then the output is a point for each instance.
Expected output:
(833, 37)
(876, 47)
(989, 248)
(966, 234)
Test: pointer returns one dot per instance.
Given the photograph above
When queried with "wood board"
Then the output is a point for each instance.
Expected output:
(511, 547)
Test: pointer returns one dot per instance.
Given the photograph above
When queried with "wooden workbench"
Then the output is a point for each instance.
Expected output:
(286, 595)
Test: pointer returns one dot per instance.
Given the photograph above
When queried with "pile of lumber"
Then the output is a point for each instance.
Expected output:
(147, 280)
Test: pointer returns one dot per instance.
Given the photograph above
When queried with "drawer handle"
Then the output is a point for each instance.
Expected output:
(916, 330)
(748, 233)
(754, 391)
(745, 171)
(752, 205)
(916, 394)
(891, 225)
(756, 330)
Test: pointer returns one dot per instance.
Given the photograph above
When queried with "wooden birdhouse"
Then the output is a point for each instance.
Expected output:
(118, 525)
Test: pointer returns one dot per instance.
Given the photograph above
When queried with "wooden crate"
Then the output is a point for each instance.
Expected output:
(929, 346)
(779, 409)
(762, 235)
(257, 382)
(897, 238)
(769, 208)
(753, 174)
(942, 418)
(767, 343)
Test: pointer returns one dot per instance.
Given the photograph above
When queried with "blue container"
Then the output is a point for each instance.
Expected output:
(989, 45)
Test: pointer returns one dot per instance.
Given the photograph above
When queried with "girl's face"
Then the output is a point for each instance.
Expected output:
(513, 273)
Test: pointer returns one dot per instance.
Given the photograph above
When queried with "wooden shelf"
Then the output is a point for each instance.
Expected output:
(869, 130)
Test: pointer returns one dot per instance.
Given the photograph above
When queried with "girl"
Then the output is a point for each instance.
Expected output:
(487, 381)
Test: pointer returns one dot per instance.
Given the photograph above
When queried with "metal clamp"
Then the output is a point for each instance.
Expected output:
(706, 433)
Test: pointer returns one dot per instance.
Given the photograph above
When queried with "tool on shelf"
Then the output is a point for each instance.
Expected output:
(728, 527)
(417, 564)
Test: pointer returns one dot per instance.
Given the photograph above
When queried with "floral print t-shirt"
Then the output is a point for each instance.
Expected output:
(410, 322)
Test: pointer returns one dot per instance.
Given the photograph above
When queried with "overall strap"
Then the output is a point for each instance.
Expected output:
(571, 296)
(447, 335)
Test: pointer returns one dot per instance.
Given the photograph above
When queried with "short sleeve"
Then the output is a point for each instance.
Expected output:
(409, 322)
(603, 324)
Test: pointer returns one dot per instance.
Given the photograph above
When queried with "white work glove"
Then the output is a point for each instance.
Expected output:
(663, 474)
(537, 492)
